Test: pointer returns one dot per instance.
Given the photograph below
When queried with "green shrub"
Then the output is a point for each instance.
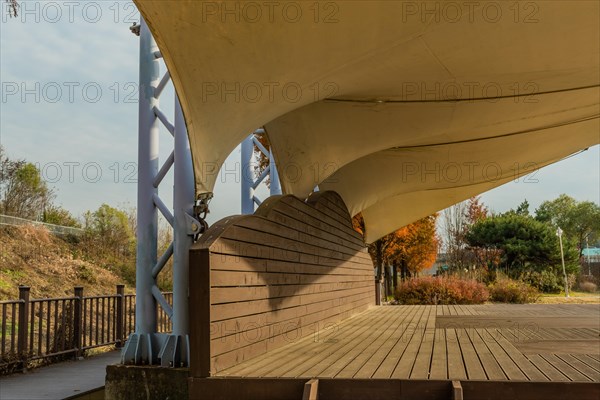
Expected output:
(589, 287)
(86, 273)
(511, 291)
(439, 290)
(545, 281)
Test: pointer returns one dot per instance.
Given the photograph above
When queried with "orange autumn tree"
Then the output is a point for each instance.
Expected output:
(377, 249)
(486, 259)
(415, 247)
(410, 249)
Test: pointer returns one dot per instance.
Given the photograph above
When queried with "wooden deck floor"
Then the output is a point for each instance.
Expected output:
(538, 343)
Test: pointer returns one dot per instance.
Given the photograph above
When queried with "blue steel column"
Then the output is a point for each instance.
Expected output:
(147, 218)
(183, 202)
(275, 185)
(247, 175)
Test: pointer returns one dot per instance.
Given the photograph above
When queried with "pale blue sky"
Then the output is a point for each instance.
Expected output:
(75, 49)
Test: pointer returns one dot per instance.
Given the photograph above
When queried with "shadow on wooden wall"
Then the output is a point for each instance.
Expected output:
(258, 282)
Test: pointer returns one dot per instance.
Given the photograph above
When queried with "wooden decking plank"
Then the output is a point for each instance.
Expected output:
(332, 363)
(422, 366)
(248, 345)
(508, 334)
(593, 331)
(281, 355)
(490, 365)
(355, 365)
(594, 356)
(360, 346)
(353, 356)
(472, 362)
(544, 334)
(565, 368)
(574, 333)
(562, 333)
(408, 357)
(526, 366)
(439, 359)
(304, 360)
(296, 356)
(547, 369)
(456, 366)
(582, 367)
(412, 331)
(382, 356)
(401, 342)
(593, 363)
(278, 319)
(472, 309)
(512, 370)
(589, 333)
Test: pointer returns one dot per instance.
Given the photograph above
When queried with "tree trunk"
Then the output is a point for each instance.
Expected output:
(388, 283)
(378, 259)
(403, 270)
(378, 262)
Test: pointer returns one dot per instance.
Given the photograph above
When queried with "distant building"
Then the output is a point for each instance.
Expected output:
(591, 255)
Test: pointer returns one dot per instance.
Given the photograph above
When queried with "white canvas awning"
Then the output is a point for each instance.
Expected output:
(353, 92)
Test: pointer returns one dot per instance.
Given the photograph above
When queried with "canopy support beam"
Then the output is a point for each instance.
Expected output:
(147, 346)
(250, 182)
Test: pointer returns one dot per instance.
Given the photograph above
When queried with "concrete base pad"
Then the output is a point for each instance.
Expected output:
(134, 382)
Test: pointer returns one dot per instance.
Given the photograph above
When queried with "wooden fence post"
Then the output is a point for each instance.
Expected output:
(120, 320)
(23, 327)
(77, 320)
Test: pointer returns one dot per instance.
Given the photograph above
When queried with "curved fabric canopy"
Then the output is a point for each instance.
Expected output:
(355, 95)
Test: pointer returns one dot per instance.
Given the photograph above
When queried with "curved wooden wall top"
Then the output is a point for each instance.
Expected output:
(258, 282)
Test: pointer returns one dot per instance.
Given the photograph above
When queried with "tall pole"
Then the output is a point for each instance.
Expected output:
(183, 202)
(587, 256)
(147, 217)
(247, 176)
(559, 233)
(275, 187)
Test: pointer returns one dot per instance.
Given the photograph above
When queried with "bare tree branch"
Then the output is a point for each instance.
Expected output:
(13, 8)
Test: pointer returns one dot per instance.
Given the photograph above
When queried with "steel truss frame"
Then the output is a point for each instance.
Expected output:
(146, 346)
(249, 182)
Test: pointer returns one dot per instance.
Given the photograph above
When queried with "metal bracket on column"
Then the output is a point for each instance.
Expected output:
(193, 226)
(249, 182)
(138, 349)
(175, 351)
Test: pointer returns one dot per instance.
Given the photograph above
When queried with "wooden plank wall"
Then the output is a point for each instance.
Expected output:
(261, 281)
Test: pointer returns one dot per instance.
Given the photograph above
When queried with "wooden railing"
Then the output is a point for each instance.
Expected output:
(47, 330)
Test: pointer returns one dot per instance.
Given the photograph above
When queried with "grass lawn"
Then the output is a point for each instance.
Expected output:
(575, 297)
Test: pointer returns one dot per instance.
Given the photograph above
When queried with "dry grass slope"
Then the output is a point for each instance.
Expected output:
(51, 266)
